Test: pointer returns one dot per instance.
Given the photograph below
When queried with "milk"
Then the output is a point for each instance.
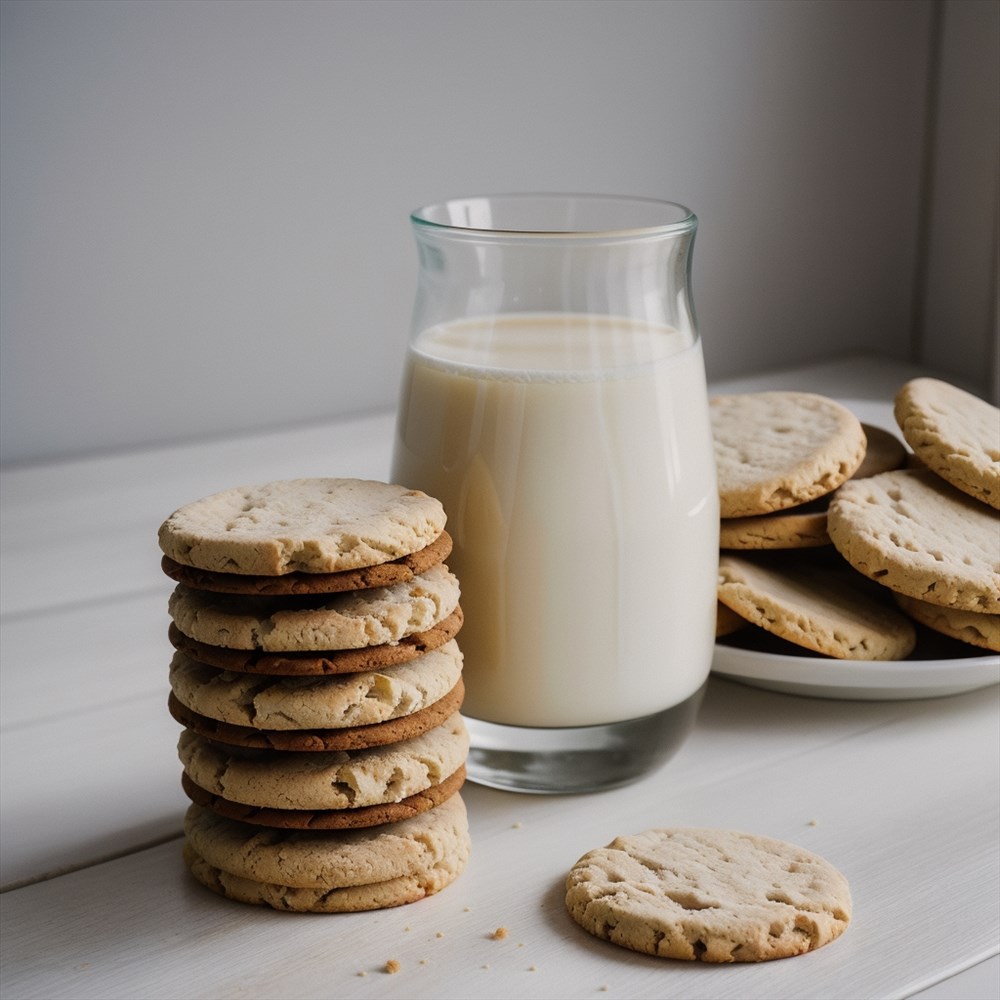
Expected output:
(573, 455)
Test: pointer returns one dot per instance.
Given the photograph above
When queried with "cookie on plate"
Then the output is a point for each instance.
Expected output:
(954, 433)
(826, 610)
(708, 895)
(329, 871)
(981, 630)
(912, 532)
(779, 449)
(301, 525)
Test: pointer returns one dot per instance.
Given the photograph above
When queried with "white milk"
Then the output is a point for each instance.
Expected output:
(573, 456)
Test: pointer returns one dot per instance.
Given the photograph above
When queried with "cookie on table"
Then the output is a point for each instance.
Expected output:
(981, 630)
(316, 622)
(954, 433)
(826, 610)
(329, 871)
(334, 780)
(385, 574)
(708, 895)
(301, 525)
(320, 662)
(316, 702)
(912, 532)
(779, 449)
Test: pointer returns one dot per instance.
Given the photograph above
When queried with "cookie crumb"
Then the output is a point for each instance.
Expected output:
(515, 826)
(499, 934)
(813, 822)
(392, 967)
(487, 965)
(439, 934)
(603, 989)
(362, 973)
(532, 968)
(467, 909)
(423, 961)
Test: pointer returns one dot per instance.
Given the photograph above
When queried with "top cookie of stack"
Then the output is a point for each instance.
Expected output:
(318, 679)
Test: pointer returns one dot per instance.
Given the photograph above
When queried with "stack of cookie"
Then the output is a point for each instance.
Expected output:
(845, 533)
(318, 680)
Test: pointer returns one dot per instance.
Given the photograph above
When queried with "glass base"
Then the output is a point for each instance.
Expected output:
(580, 759)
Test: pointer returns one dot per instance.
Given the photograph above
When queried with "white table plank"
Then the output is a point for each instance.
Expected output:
(165, 937)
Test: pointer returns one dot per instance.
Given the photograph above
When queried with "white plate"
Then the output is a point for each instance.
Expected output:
(866, 680)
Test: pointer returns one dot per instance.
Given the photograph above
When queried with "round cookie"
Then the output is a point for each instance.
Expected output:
(330, 780)
(334, 661)
(775, 450)
(955, 434)
(912, 532)
(301, 525)
(727, 621)
(883, 452)
(368, 577)
(340, 700)
(318, 622)
(708, 895)
(329, 872)
(828, 611)
(967, 626)
(315, 740)
(802, 527)
(328, 819)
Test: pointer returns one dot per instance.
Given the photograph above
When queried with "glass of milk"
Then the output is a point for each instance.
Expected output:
(554, 400)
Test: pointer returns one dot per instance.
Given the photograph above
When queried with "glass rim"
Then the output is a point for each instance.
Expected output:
(684, 219)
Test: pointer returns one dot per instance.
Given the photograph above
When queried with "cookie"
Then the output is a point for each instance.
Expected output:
(317, 622)
(328, 819)
(727, 621)
(804, 526)
(914, 533)
(301, 525)
(778, 449)
(329, 871)
(954, 433)
(368, 577)
(330, 780)
(315, 740)
(340, 700)
(334, 661)
(709, 895)
(966, 626)
(828, 611)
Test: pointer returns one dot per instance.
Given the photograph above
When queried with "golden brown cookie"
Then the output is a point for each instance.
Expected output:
(709, 896)
(828, 611)
(981, 630)
(912, 532)
(955, 434)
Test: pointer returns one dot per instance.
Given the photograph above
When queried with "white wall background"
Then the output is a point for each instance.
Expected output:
(204, 204)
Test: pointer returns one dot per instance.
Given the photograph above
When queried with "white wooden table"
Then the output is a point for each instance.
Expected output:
(903, 796)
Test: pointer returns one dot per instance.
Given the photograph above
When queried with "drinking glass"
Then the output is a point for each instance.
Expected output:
(554, 400)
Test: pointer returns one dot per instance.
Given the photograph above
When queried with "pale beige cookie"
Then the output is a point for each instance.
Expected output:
(376, 734)
(328, 819)
(709, 896)
(318, 663)
(912, 532)
(331, 780)
(804, 526)
(828, 611)
(778, 449)
(955, 434)
(333, 702)
(967, 626)
(306, 859)
(368, 577)
(307, 525)
(318, 622)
